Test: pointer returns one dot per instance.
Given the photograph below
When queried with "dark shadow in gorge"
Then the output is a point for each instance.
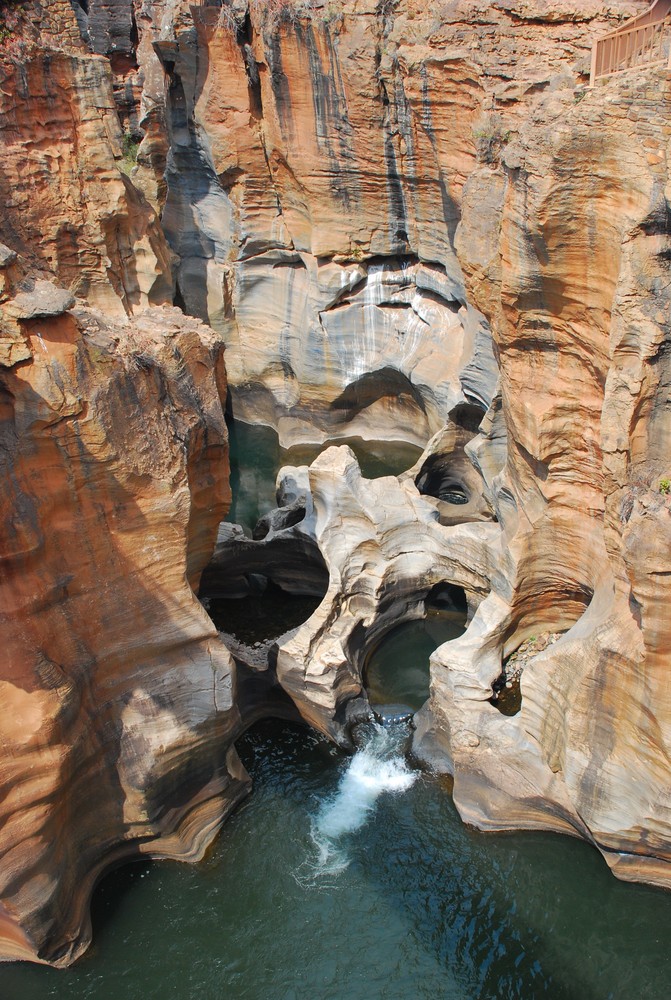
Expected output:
(262, 616)
(369, 388)
(258, 592)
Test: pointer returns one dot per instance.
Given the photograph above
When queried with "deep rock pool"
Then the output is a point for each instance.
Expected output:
(256, 458)
(352, 878)
(397, 669)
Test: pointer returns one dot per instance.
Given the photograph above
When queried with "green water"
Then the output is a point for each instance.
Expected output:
(256, 458)
(352, 878)
(397, 670)
(424, 908)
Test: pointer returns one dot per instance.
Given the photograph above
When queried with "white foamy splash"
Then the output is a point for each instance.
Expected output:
(376, 768)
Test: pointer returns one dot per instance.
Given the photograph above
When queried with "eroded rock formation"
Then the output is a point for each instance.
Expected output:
(118, 697)
(581, 321)
(67, 208)
(395, 220)
(335, 286)
(315, 173)
(382, 567)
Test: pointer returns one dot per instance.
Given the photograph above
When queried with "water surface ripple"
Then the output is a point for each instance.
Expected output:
(423, 908)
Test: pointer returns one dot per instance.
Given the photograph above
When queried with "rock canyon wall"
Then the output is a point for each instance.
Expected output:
(401, 222)
(119, 708)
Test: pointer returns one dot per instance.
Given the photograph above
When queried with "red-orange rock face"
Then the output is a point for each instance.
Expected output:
(118, 697)
(577, 292)
(387, 217)
(302, 155)
(67, 208)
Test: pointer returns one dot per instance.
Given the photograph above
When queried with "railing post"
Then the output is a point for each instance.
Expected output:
(630, 48)
(592, 71)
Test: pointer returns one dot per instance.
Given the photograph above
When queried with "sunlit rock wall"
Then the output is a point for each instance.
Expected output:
(580, 312)
(67, 208)
(343, 198)
(307, 161)
(118, 698)
(312, 197)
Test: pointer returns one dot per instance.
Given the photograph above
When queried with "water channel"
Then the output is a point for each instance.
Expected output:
(351, 877)
(397, 670)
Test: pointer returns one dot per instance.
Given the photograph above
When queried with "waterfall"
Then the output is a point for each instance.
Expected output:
(378, 766)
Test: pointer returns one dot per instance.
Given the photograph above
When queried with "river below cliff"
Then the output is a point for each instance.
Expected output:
(352, 878)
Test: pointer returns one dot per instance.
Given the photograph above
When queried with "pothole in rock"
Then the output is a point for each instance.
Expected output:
(447, 597)
(454, 495)
(256, 457)
(437, 479)
(507, 696)
(396, 670)
(448, 475)
(261, 618)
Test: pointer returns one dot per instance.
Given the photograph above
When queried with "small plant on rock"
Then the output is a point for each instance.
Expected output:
(332, 13)
(271, 13)
(664, 486)
(490, 138)
(227, 17)
(129, 147)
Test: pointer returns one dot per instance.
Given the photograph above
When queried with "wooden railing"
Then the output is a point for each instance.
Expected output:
(631, 48)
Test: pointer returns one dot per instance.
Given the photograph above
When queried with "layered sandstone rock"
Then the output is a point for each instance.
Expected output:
(67, 207)
(302, 162)
(581, 322)
(311, 174)
(380, 351)
(317, 268)
(118, 697)
(385, 551)
(348, 198)
(561, 241)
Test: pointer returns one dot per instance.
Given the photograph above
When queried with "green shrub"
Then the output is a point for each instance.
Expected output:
(129, 148)
(665, 486)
